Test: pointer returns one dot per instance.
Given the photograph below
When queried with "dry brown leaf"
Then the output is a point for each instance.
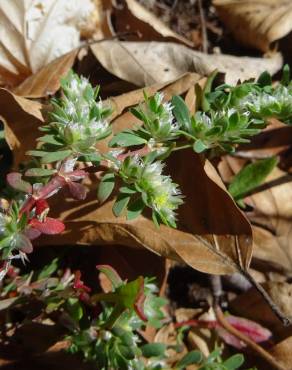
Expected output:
(21, 120)
(282, 352)
(147, 63)
(256, 23)
(47, 80)
(134, 17)
(34, 33)
(271, 219)
(178, 86)
(281, 294)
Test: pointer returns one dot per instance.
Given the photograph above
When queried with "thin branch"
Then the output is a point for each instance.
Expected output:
(249, 342)
(276, 310)
(269, 185)
(93, 42)
(203, 26)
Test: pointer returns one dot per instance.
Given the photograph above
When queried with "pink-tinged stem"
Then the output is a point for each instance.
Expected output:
(56, 183)
(141, 152)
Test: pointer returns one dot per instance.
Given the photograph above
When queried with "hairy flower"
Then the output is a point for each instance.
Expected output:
(77, 120)
(158, 190)
(275, 103)
(157, 118)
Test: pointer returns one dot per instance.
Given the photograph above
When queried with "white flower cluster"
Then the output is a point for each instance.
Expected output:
(162, 195)
(159, 119)
(84, 114)
(268, 104)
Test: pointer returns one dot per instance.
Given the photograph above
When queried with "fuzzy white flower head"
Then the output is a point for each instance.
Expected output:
(3, 222)
(164, 195)
(159, 118)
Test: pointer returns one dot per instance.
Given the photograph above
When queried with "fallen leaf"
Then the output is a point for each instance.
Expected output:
(256, 23)
(35, 33)
(271, 218)
(134, 17)
(247, 327)
(147, 63)
(177, 86)
(21, 116)
(282, 352)
(47, 80)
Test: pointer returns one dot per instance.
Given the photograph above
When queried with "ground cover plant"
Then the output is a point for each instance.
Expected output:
(145, 184)
(105, 327)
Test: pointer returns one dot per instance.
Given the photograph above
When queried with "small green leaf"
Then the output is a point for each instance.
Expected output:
(91, 157)
(49, 269)
(135, 208)
(193, 357)
(111, 274)
(126, 138)
(181, 112)
(56, 156)
(39, 172)
(49, 139)
(286, 75)
(207, 89)
(120, 204)
(129, 293)
(251, 176)
(265, 79)
(127, 190)
(36, 153)
(234, 362)
(199, 146)
(74, 308)
(153, 350)
(106, 187)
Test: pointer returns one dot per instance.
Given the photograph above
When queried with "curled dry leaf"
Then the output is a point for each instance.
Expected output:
(34, 33)
(282, 352)
(20, 116)
(134, 17)
(47, 80)
(256, 23)
(271, 219)
(146, 63)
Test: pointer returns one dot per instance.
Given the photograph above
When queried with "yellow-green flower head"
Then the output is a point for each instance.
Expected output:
(158, 190)
(158, 118)
(276, 103)
(77, 119)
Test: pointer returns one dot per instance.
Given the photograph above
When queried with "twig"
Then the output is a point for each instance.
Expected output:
(267, 298)
(249, 342)
(268, 185)
(250, 155)
(92, 42)
(216, 286)
(204, 28)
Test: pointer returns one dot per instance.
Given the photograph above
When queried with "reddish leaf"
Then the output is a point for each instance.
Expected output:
(139, 302)
(78, 283)
(32, 233)
(14, 179)
(41, 206)
(24, 244)
(50, 226)
(78, 191)
(247, 327)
